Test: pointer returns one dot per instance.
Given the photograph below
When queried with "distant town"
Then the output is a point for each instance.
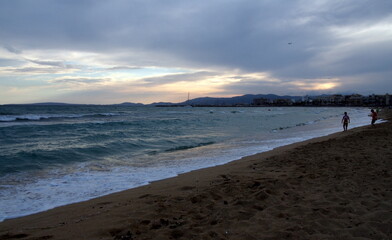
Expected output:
(269, 100)
(329, 100)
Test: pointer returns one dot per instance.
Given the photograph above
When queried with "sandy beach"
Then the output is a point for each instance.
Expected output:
(333, 187)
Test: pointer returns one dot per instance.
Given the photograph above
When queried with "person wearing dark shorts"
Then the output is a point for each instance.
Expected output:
(374, 116)
(345, 121)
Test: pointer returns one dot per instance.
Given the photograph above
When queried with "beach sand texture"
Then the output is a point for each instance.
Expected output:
(334, 187)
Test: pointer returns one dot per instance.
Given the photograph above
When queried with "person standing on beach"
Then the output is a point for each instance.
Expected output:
(374, 116)
(345, 121)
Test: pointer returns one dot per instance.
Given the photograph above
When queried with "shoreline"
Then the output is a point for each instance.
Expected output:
(260, 196)
(66, 194)
(44, 194)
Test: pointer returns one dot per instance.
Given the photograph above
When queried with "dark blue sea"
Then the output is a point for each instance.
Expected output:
(60, 154)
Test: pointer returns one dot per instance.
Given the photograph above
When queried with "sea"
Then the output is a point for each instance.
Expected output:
(55, 155)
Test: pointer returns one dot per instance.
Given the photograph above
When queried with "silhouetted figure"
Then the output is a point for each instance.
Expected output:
(374, 116)
(345, 121)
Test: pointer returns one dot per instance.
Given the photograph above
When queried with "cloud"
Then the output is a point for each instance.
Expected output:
(175, 78)
(226, 44)
(266, 84)
(79, 80)
(108, 94)
(32, 70)
(5, 62)
(27, 69)
(12, 49)
(122, 68)
(250, 35)
(48, 63)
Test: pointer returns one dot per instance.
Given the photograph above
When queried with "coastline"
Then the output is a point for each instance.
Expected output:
(325, 188)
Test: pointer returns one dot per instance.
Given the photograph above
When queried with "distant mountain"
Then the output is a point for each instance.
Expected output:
(70, 104)
(161, 104)
(51, 103)
(130, 104)
(203, 101)
(245, 99)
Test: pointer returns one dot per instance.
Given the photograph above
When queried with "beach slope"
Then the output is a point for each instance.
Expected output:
(334, 187)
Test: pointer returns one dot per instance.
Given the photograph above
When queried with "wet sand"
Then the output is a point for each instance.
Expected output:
(333, 187)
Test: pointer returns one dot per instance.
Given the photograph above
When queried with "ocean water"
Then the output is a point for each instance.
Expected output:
(56, 155)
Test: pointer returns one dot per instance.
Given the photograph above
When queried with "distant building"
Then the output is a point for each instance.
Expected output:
(283, 102)
(354, 100)
(329, 100)
(262, 102)
(378, 100)
(337, 99)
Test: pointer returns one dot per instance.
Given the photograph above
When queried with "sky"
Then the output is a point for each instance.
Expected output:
(144, 51)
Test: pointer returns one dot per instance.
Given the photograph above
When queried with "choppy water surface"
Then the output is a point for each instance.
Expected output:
(55, 155)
